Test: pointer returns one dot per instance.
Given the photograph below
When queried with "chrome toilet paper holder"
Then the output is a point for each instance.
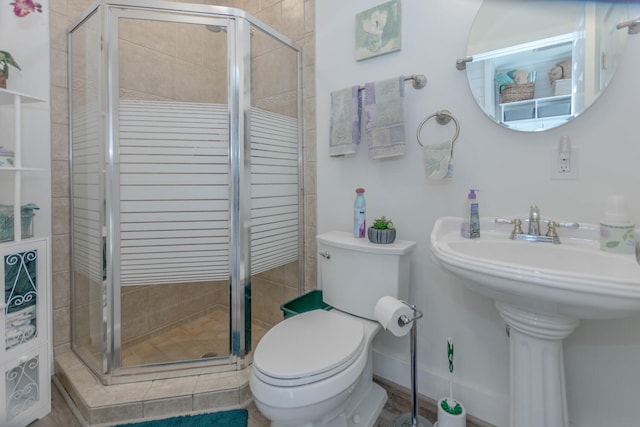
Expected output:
(412, 419)
(404, 320)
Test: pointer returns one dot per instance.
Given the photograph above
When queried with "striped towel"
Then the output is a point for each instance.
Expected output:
(384, 118)
(344, 135)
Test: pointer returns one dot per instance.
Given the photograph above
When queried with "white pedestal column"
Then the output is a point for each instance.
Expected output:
(537, 386)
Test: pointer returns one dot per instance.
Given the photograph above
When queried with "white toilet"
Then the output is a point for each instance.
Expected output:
(315, 368)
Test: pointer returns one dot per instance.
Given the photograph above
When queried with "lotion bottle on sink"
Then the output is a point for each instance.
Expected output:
(617, 231)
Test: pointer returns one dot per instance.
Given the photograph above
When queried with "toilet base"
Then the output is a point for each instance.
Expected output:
(360, 412)
(366, 412)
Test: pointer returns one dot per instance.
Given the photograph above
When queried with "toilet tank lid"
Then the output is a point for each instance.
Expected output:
(343, 239)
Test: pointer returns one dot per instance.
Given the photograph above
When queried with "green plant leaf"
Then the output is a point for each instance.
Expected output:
(6, 59)
(382, 224)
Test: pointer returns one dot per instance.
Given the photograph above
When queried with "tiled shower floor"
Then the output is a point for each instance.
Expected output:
(203, 336)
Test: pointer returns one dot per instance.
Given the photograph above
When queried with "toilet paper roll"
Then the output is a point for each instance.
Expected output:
(388, 312)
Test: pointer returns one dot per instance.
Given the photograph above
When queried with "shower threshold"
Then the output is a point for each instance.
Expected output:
(99, 405)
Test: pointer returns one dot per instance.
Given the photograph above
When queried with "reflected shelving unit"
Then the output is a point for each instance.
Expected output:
(556, 108)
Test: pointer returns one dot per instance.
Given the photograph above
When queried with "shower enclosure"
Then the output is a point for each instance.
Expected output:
(186, 203)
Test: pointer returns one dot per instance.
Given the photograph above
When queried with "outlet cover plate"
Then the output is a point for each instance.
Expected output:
(556, 172)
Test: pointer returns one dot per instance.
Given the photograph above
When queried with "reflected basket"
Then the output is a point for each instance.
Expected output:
(517, 92)
(6, 223)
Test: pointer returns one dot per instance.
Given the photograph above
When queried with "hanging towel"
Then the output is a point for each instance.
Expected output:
(437, 160)
(344, 134)
(384, 117)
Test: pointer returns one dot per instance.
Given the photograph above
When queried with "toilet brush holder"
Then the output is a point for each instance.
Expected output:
(445, 419)
(412, 419)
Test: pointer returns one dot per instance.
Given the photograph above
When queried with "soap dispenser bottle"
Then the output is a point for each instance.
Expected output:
(471, 220)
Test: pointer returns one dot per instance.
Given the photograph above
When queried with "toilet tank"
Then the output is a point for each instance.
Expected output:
(355, 273)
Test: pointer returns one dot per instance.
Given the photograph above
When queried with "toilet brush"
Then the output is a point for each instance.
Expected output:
(450, 412)
(450, 405)
(412, 419)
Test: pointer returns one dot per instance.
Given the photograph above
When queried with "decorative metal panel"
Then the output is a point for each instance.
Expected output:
(20, 297)
(22, 387)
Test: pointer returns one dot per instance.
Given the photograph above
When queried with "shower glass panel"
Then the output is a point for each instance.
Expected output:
(275, 177)
(88, 195)
(186, 195)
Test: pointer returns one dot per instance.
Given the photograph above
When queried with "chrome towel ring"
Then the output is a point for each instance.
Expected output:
(443, 117)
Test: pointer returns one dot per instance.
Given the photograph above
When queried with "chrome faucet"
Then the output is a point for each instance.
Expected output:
(534, 221)
(533, 232)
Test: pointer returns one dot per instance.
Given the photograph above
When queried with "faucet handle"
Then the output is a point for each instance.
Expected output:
(553, 225)
(569, 225)
(551, 232)
(517, 224)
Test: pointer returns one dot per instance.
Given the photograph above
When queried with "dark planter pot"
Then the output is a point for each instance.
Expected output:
(381, 236)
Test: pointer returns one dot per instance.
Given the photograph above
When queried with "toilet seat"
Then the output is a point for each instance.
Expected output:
(308, 347)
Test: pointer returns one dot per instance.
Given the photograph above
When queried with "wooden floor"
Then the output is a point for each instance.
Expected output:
(399, 402)
(183, 340)
(60, 415)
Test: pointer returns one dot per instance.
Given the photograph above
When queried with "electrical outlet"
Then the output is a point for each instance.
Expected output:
(564, 162)
(564, 165)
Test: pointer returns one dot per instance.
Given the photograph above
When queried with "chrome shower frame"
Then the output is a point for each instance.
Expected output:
(238, 26)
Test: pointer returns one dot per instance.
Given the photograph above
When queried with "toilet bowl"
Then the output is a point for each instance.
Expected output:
(314, 369)
(307, 370)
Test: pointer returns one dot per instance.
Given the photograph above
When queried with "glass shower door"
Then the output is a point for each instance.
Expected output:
(171, 168)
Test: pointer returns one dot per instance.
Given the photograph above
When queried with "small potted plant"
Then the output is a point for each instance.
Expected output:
(382, 231)
(6, 60)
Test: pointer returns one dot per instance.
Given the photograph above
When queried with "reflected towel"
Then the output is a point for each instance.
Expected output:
(384, 118)
(437, 160)
(344, 134)
(503, 79)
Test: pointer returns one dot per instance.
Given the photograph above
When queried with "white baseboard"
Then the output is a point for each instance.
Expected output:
(482, 404)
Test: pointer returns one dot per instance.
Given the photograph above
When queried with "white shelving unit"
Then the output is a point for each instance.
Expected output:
(16, 99)
(25, 315)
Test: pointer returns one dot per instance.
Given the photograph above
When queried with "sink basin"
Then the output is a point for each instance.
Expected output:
(541, 290)
(574, 278)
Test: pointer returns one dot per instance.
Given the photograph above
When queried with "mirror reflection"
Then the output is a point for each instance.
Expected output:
(537, 64)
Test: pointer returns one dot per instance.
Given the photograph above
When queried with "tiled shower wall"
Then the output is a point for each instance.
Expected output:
(294, 19)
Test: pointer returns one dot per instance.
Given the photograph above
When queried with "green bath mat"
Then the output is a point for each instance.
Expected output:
(233, 418)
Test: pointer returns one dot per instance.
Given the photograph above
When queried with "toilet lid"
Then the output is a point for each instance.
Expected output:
(308, 347)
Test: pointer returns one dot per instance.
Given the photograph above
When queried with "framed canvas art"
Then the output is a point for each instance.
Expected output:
(378, 30)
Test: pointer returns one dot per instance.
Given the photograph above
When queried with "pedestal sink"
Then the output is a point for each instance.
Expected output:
(541, 290)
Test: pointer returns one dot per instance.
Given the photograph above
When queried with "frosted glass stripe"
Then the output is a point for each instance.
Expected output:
(174, 165)
(87, 194)
(274, 191)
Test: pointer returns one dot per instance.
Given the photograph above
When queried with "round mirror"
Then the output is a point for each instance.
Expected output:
(536, 64)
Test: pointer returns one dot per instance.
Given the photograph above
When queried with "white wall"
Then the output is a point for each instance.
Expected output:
(27, 39)
(512, 170)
